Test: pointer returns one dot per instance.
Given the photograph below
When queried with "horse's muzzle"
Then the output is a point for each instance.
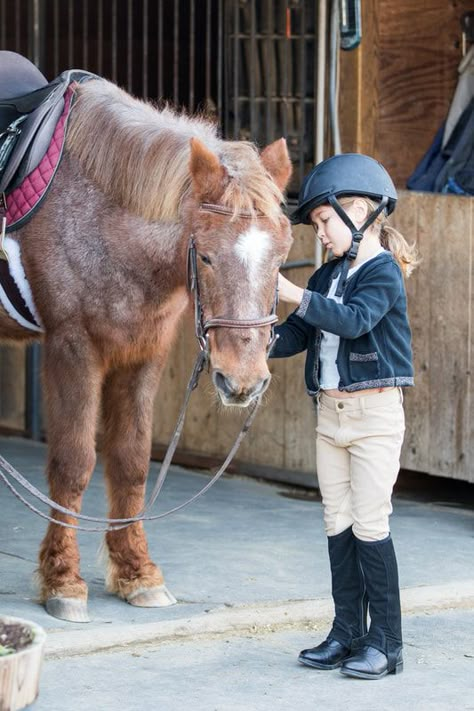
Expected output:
(233, 394)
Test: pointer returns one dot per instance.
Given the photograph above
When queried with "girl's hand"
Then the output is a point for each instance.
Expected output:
(289, 292)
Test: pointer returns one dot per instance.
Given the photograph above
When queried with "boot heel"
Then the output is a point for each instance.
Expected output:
(398, 668)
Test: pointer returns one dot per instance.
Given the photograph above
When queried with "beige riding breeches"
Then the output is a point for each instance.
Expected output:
(358, 443)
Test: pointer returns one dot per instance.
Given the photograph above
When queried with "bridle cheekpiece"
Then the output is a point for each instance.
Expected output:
(202, 326)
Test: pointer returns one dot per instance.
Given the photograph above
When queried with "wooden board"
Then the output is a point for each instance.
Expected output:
(410, 220)
(449, 336)
(396, 87)
(469, 462)
(439, 410)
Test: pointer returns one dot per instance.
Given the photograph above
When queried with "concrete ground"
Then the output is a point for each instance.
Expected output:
(248, 565)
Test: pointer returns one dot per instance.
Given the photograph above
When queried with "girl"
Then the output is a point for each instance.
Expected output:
(352, 321)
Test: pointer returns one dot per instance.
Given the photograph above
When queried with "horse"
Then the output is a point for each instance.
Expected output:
(105, 258)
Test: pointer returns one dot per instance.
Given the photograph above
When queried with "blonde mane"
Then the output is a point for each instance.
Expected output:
(139, 155)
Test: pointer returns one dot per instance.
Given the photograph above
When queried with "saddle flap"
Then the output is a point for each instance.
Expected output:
(36, 133)
(27, 103)
(39, 136)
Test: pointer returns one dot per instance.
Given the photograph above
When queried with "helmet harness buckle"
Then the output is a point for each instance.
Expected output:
(356, 233)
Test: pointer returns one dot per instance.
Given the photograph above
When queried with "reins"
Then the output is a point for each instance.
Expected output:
(116, 524)
(201, 330)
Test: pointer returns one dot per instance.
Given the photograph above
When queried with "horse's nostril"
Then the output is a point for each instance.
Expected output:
(224, 384)
(260, 387)
(263, 385)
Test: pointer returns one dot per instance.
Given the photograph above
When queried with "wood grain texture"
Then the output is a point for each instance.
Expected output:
(449, 337)
(299, 416)
(469, 463)
(20, 672)
(396, 88)
(410, 219)
(439, 410)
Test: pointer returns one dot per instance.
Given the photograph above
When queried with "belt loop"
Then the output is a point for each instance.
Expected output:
(401, 395)
(362, 408)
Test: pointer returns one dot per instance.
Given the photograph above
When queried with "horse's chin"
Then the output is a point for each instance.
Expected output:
(236, 401)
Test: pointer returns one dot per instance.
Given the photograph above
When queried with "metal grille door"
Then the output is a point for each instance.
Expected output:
(159, 49)
(250, 64)
(271, 73)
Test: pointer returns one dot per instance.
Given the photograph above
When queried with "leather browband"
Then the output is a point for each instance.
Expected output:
(222, 210)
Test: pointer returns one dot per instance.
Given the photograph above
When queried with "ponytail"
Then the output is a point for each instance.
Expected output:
(406, 254)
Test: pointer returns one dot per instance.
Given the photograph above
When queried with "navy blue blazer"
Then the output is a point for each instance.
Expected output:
(372, 323)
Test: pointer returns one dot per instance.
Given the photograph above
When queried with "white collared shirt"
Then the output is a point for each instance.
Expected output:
(328, 371)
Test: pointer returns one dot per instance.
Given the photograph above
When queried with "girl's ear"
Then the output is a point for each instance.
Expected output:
(359, 210)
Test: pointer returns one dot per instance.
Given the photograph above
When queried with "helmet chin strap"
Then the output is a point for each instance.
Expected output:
(357, 235)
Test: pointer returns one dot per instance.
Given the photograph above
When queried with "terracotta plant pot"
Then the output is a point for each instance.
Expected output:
(20, 668)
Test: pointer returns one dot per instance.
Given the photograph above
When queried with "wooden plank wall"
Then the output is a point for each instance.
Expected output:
(396, 87)
(440, 417)
(440, 408)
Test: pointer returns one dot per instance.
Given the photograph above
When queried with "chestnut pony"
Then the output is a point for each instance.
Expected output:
(105, 258)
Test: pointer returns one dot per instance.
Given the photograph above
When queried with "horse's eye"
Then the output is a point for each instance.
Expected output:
(205, 259)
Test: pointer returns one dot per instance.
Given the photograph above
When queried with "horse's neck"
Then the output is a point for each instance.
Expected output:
(156, 249)
(153, 252)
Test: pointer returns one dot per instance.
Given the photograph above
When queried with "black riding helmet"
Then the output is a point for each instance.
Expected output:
(346, 174)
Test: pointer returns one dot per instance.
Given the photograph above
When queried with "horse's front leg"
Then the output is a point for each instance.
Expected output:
(128, 410)
(72, 386)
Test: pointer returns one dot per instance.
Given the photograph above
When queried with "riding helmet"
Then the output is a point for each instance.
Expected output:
(344, 174)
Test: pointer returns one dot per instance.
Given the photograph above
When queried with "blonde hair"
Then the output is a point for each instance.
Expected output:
(391, 239)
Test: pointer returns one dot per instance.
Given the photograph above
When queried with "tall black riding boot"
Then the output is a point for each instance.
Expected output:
(350, 602)
(382, 650)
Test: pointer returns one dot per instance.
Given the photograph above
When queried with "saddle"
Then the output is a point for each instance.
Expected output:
(33, 121)
(30, 109)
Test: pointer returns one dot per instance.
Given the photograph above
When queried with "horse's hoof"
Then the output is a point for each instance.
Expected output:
(71, 609)
(158, 596)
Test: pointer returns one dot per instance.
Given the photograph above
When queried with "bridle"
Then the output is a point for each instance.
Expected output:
(202, 327)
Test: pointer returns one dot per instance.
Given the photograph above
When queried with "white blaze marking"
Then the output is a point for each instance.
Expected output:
(251, 248)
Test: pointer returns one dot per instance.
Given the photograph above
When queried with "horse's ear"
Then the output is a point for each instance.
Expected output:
(277, 162)
(208, 173)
